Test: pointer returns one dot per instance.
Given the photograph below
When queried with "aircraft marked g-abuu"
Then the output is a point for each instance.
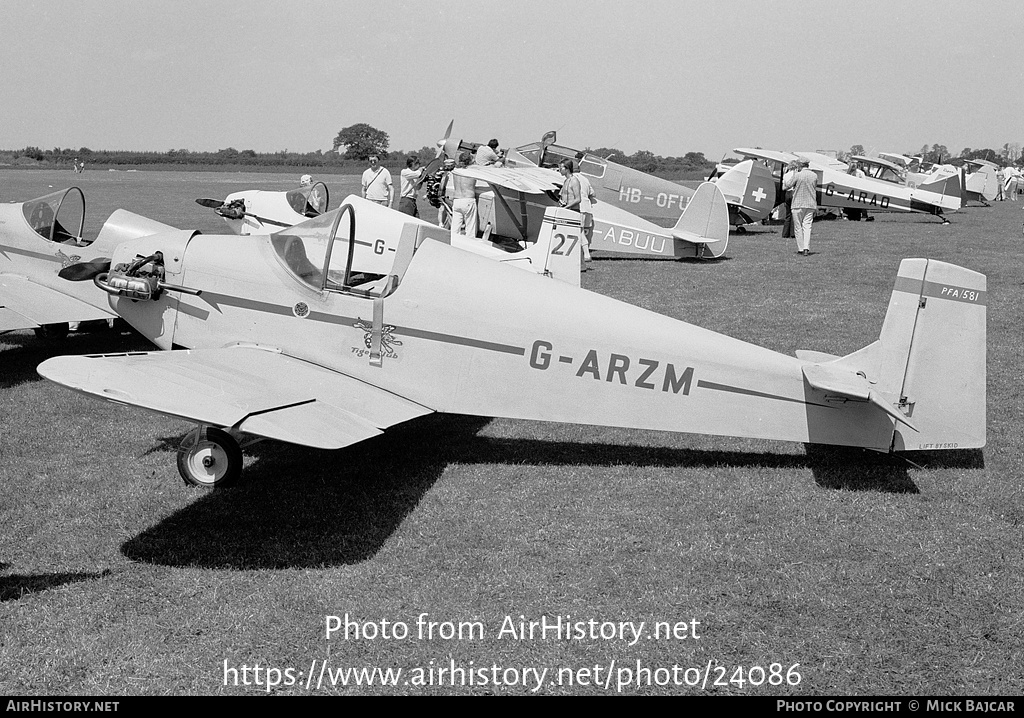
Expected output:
(283, 336)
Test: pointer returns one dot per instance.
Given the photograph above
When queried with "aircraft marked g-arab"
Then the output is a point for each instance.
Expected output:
(284, 336)
(840, 190)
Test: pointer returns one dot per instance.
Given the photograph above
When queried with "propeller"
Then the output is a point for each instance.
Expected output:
(442, 142)
(84, 271)
(236, 210)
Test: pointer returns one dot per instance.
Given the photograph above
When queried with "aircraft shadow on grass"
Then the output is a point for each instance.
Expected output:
(302, 508)
(25, 351)
(17, 586)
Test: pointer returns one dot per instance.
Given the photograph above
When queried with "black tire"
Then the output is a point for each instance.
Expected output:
(53, 332)
(210, 458)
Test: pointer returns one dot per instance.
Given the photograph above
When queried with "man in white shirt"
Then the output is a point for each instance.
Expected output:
(409, 182)
(587, 200)
(377, 183)
(488, 154)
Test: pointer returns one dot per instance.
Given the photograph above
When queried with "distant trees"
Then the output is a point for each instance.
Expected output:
(611, 154)
(361, 140)
(986, 154)
(426, 153)
(647, 161)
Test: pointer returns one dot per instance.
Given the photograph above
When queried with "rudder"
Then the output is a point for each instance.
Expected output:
(931, 356)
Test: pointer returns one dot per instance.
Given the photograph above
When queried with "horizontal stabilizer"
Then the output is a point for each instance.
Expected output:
(847, 383)
(246, 388)
(705, 220)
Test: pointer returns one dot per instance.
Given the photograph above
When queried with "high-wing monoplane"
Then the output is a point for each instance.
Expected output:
(747, 187)
(887, 170)
(283, 336)
(512, 202)
(44, 236)
(845, 191)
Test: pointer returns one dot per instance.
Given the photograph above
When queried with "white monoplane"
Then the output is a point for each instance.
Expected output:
(286, 336)
(39, 240)
(845, 191)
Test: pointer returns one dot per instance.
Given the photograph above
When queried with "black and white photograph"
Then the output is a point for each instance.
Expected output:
(667, 348)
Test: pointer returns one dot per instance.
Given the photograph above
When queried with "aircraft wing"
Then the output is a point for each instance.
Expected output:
(771, 155)
(25, 304)
(251, 389)
(532, 180)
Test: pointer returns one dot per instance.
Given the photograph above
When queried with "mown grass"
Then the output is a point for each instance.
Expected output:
(876, 575)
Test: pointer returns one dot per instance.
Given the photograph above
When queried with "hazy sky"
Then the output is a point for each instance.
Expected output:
(669, 76)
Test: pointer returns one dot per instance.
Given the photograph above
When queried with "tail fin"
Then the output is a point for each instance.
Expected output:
(705, 220)
(951, 189)
(750, 188)
(559, 246)
(929, 361)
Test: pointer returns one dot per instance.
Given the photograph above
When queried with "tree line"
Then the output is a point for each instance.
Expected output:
(355, 143)
(936, 154)
(351, 147)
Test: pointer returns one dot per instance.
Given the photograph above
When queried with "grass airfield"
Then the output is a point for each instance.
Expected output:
(877, 575)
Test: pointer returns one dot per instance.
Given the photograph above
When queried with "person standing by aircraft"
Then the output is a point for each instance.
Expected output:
(572, 197)
(488, 154)
(464, 201)
(1012, 182)
(377, 183)
(804, 183)
(569, 196)
(587, 200)
(409, 182)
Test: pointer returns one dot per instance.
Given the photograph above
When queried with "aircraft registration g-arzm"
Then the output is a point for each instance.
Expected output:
(748, 187)
(38, 240)
(845, 191)
(285, 336)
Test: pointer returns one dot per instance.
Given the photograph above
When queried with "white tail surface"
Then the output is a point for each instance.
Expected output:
(705, 220)
(559, 246)
(929, 361)
(949, 188)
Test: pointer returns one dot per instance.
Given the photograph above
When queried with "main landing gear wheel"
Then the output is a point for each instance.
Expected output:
(210, 458)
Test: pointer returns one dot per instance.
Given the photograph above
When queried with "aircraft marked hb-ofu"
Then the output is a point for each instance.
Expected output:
(282, 336)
